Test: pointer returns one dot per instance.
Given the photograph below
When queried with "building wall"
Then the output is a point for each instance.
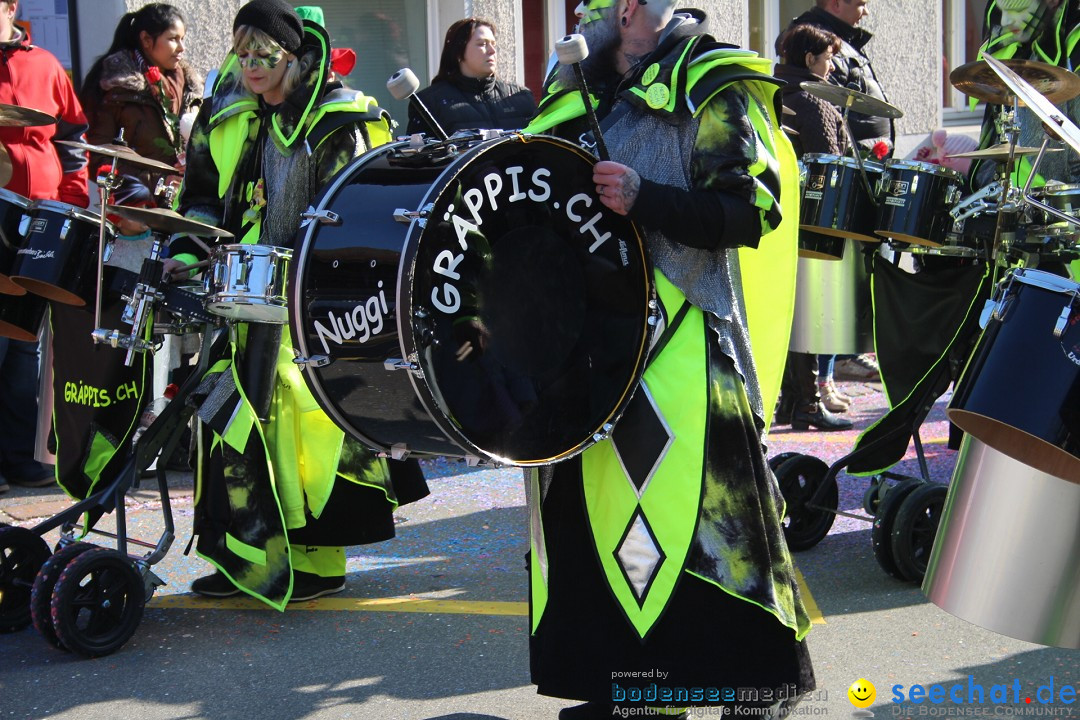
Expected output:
(906, 51)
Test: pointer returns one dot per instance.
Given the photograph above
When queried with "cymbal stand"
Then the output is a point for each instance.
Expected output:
(1011, 200)
(146, 292)
(106, 184)
(858, 157)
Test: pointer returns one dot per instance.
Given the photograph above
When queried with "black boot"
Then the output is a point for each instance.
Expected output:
(817, 417)
(587, 711)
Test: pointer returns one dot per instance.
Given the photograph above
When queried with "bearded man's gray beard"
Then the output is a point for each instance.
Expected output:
(602, 38)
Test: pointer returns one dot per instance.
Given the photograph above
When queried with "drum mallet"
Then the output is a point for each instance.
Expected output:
(571, 50)
(403, 85)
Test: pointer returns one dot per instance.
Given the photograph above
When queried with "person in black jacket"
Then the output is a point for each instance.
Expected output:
(851, 67)
(465, 94)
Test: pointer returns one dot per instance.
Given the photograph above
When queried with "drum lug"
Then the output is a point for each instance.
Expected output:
(324, 217)
(314, 361)
(399, 364)
(604, 434)
(399, 451)
(1063, 320)
(404, 216)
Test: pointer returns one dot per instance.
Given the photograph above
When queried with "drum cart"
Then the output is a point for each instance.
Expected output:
(84, 598)
(904, 510)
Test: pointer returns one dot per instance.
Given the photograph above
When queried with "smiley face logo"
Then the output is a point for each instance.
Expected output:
(862, 693)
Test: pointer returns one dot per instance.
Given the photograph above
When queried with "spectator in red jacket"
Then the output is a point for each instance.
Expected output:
(40, 169)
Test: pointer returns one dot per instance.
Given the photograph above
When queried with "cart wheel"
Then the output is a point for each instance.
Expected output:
(45, 583)
(884, 519)
(914, 529)
(799, 478)
(22, 553)
(871, 499)
(98, 602)
(777, 460)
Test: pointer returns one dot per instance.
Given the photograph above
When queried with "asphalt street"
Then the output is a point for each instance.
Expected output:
(433, 625)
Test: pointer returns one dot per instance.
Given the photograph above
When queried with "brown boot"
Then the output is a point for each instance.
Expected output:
(830, 400)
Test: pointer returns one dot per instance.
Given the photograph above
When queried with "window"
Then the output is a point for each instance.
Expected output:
(962, 22)
(386, 35)
(767, 18)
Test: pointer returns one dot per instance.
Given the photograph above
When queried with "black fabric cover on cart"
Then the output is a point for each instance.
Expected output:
(925, 325)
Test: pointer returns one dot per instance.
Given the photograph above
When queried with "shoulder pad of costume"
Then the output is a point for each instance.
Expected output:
(719, 66)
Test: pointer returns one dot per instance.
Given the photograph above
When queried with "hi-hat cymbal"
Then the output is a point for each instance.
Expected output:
(847, 98)
(119, 152)
(979, 80)
(18, 116)
(1001, 152)
(167, 221)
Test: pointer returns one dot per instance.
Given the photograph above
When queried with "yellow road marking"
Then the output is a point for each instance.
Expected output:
(191, 601)
(812, 609)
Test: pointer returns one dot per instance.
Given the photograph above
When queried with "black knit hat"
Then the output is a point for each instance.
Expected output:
(276, 18)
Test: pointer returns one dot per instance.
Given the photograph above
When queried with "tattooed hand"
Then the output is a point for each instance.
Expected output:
(617, 185)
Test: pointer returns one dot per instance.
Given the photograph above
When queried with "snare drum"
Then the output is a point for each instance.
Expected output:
(1020, 391)
(835, 200)
(246, 283)
(915, 202)
(482, 305)
(59, 258)
(13, 209)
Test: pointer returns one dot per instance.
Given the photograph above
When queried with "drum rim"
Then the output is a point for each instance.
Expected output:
(1063, 189)
(262, 250)
(1045, 280)
(406, 270)
(15, 198)
(929, 168)
(845, 160)
(70, 210)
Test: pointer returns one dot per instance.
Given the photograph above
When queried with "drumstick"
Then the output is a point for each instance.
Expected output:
(188, 268)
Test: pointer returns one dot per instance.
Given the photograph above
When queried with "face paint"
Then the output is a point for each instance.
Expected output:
(265, 57)
(594, 10)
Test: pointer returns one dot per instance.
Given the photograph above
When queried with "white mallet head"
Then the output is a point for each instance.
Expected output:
(572, 49)
(402, 84)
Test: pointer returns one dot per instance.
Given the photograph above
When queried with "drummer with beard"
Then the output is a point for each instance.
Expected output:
(659, 553)
(280, 488)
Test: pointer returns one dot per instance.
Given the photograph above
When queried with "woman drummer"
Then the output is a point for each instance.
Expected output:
(281, 489)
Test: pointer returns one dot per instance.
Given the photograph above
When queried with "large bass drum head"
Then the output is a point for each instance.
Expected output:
(525, 302)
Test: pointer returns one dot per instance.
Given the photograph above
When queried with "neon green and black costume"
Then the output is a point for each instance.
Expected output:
(286, 494)
(661, 549)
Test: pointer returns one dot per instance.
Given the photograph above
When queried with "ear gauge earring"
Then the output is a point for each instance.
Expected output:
(623, 21)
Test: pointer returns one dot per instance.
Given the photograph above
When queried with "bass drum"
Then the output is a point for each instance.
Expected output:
(478, 302)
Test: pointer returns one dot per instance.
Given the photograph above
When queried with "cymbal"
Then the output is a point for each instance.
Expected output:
(119, 152)
(167, 221)
(1001, 152)
(1054, 120)
(979, 80)
(848, 98)
(18, 116)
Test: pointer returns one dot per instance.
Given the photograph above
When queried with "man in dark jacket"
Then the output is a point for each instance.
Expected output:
(851, 67)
